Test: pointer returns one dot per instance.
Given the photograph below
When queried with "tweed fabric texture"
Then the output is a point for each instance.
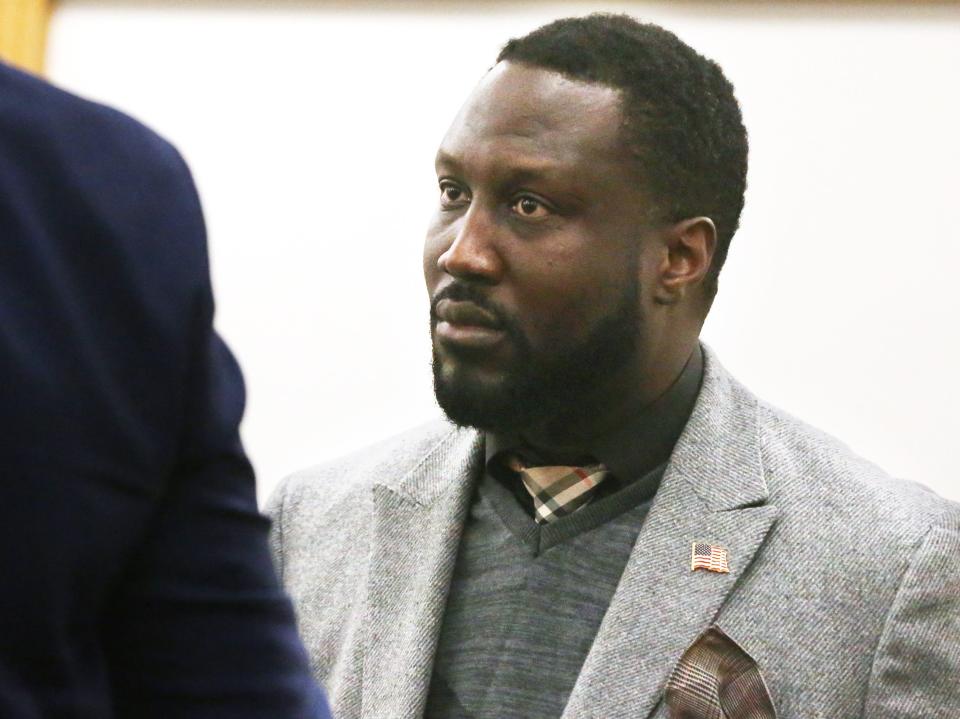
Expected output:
(367, 546)
(716, 679)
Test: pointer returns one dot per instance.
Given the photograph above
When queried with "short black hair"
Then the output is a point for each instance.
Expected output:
(680, 111)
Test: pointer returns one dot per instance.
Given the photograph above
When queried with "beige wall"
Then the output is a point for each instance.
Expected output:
(23, 32)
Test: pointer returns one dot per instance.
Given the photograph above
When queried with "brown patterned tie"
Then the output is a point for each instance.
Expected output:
(716, 679)
(558, 490)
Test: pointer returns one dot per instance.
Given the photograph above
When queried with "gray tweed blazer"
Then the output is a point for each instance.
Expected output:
(844, 584)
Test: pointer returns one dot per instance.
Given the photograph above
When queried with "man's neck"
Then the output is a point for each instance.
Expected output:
(622, 397)
(638, 444)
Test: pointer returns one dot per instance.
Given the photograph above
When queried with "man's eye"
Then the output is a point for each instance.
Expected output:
(451, 194)
(531, 207)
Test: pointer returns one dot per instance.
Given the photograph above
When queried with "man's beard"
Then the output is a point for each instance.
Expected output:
(539, 388)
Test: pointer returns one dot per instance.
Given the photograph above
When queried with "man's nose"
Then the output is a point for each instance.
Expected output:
(473, 254)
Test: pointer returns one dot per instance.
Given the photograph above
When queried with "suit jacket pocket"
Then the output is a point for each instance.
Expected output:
(716, 679)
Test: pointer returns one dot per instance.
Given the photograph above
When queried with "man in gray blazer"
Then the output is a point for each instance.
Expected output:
(608, 524)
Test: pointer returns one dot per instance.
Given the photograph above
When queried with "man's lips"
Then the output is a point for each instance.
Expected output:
(465, 313)
(467, 324)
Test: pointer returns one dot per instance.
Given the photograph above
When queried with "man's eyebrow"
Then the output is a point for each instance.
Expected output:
(533, 171)
(523, 170)
(446, 159)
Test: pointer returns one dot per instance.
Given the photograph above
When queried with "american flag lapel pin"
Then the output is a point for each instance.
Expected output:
(711, 557)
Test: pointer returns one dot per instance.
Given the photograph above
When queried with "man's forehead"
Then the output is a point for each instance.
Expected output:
(534, 106)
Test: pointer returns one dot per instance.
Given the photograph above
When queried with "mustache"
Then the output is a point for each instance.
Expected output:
(460, 292)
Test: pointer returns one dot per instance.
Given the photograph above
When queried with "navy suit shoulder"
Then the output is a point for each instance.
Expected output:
(138, 579)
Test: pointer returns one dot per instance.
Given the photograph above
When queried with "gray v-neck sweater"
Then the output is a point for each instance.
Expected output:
(526, 601)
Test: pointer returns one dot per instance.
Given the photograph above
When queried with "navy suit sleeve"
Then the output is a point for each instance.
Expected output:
(200, 626)
(136, 575)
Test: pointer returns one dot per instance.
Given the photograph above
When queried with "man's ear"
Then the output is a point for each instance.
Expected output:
(689, 246)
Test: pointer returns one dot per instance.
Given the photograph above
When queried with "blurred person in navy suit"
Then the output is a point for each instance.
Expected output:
(136, 579)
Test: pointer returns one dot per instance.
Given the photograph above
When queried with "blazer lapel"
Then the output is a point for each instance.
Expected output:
(713, 491)
(418, 522)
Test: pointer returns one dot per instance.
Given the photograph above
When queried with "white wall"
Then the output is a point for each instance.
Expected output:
(311, 129)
